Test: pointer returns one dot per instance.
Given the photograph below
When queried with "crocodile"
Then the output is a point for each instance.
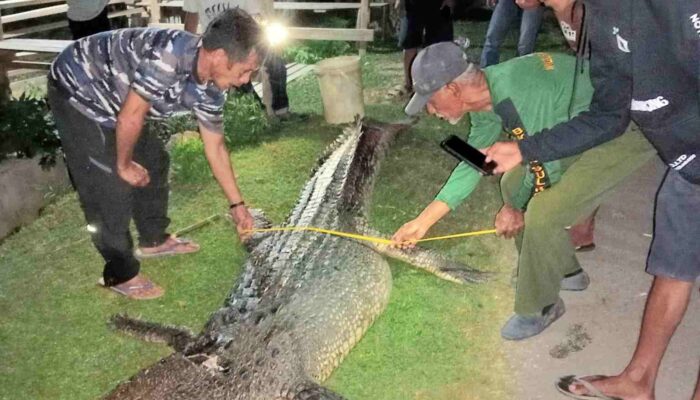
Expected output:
(303, 300)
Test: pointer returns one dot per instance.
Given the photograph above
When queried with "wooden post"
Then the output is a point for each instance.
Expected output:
(268, 9)
(1, 24)
(385, 22)
(5, 92)
(154, 11)
(363, 15)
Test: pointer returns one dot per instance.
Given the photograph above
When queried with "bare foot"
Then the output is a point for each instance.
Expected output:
(581, 234)
(619, 386)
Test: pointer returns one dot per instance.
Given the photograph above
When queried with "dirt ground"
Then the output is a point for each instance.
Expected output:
(598, 333)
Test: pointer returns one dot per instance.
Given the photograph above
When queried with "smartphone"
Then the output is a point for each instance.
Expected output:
(469, 154)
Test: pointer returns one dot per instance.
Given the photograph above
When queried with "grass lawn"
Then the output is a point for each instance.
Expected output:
(436, 340)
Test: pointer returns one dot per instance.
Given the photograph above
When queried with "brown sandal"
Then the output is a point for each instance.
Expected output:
(143, 289)
(175, 247)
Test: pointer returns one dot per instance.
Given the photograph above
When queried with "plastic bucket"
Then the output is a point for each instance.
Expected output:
(340, 79)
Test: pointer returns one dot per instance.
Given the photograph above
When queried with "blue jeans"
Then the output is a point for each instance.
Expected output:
(505, 15)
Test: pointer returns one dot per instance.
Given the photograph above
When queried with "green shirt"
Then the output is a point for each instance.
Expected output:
(540, 86)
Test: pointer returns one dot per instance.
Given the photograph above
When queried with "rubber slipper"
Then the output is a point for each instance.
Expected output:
(172, 250)
(398, 92)
(564, 382)
(134, 292)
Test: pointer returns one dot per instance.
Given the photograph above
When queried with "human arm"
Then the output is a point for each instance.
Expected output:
(218, 157)
(191, 9)
(449, 4)
(191, 22)
(607, 117)
(485, 129)
(416, 228)
(509, 221)
(129, 124)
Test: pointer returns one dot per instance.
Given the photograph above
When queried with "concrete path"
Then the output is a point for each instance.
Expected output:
(604, 320)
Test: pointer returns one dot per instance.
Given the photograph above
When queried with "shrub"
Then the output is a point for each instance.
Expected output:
(27, 130)
(245, 120)
(189, 164)
(312, 52)
(176, 124)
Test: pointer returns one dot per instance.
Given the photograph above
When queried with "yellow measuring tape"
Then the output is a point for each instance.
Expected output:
(368, 238)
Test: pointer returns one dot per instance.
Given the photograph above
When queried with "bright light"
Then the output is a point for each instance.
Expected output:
(276, 33)
(91, 228)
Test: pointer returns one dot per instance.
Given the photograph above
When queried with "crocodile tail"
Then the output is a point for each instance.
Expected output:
(176, 337)
(348, 131)
(313, 391)
(371, 148)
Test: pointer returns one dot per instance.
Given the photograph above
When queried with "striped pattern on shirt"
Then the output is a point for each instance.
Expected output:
(159, 64)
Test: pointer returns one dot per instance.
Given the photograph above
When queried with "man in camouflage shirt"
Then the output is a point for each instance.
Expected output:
(101, 90)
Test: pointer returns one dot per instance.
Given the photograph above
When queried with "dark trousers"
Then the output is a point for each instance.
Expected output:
(425, 23)
(277, 73)
(80, 29)
(109, 203)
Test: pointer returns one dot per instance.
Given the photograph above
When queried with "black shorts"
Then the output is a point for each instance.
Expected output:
(675, 252)
(81, 29)
(424, 24)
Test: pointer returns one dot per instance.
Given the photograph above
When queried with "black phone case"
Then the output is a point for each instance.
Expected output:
(477, 164)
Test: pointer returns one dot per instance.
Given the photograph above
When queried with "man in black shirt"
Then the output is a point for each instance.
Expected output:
(644, 67)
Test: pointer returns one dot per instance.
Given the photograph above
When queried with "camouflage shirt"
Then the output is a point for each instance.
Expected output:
(98, 71)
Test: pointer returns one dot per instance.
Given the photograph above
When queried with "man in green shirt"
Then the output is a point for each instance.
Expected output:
(521, 97)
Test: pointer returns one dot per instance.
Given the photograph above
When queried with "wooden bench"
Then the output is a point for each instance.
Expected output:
(19, 52)
(13, 42)
(294, 71)
(360, 33)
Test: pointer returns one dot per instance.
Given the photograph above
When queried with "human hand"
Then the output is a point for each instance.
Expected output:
(491, 3)
(528, 4)
(506, 155)
(509, 221)
(448, 3)
(244, 221)
(134, 174)
(409, 233)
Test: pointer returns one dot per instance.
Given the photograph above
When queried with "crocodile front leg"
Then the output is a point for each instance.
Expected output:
(430, 261)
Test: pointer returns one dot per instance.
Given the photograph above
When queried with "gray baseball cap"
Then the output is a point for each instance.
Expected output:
(434, 67)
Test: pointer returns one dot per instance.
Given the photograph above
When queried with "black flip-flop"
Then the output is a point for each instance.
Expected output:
(585, 248)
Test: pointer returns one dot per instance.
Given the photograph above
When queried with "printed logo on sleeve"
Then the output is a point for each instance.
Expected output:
(622, 44)
(568, 31)
(682, 161)
(695, 21)
(547, 61)
(649, 105)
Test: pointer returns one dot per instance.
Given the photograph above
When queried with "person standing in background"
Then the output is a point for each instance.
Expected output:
(424, 22)
(504, 16)
(569, 14)
(198, 15)
(644, 62)
(87, 17)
